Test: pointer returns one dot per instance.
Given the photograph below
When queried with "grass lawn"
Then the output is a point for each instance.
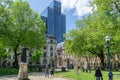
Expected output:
(8, 71)
(86, 76)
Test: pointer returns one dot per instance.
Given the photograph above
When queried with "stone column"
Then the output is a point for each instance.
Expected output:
(23, 75)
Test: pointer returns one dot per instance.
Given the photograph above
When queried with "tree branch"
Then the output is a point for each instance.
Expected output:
(117, 7)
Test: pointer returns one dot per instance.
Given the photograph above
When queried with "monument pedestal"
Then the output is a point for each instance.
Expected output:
(23, 74)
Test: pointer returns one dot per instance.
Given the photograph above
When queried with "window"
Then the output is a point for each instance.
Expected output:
(51, 54)
(51, 48)
(30, 54)
(45, 54)
(9, 57)
(48, 40)
(44, 47)
(44, 61)
(51, 41)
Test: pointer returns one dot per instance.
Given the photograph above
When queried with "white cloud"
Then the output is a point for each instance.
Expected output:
(81, 6)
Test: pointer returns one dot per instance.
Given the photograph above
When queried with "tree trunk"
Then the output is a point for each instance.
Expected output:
(101, 56)
(76, 66)
(15, 63)
(76, 69)
(88, 63)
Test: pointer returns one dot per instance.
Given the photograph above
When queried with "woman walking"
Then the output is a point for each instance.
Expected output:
(52, 71)
(98, 74)
(46, 71)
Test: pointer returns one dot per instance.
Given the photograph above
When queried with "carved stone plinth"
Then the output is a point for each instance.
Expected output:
(23, 75)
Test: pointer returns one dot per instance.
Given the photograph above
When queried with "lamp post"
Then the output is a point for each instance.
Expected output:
(110, 75)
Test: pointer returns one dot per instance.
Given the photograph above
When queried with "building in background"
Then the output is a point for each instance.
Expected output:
(55, 21)
(63, 59)
(49, 52)
(54, 54)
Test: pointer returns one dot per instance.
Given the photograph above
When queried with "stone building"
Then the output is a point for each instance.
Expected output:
(49, 51)
(115, 61)
(63, 60)
(88, 62)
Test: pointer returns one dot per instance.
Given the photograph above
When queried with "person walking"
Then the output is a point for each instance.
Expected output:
(52, 71)
(98, 74)
(46, 71)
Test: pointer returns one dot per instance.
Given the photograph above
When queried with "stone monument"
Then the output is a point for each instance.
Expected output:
(23, 74)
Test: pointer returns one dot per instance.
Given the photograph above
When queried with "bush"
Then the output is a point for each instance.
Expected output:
(8, 71)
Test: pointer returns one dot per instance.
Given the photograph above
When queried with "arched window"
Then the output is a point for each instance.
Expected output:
(44, 61)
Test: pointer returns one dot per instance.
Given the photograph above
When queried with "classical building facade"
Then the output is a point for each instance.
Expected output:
(63, 59)
(55, 20)
(49, 51)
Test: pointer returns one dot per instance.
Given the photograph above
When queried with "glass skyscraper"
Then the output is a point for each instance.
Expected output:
(55, 21)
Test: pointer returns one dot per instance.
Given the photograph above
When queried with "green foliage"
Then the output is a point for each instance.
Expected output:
(7, 71)
(109, 12)
(90, 32)
(3, 53)
(20, 26)
(36, 56)
(28, 29)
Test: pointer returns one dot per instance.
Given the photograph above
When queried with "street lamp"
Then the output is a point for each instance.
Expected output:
(110, 75)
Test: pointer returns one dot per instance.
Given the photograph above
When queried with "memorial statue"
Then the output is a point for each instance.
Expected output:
(23, 71)
(23, 55)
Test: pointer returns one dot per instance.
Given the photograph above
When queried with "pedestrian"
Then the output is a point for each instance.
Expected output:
(52, 71)
(98, 74)
(46, 71)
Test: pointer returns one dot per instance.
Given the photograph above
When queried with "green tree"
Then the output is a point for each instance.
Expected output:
(108, 22)
(36, 56)
(24, 29)
(4, 20)
(74, 44)
(93, 29)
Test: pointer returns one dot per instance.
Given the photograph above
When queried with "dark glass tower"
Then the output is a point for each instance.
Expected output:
(55, 21)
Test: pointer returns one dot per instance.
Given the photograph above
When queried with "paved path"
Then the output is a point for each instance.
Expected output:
(32, 76)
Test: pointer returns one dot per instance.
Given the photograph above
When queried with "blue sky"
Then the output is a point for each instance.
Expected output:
(74, 9)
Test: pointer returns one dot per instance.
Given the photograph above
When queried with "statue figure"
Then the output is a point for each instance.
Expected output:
(23, 55)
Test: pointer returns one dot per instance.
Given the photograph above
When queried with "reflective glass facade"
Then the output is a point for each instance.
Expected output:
(55, 20)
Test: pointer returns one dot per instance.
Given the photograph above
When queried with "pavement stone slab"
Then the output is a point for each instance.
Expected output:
(32, 76)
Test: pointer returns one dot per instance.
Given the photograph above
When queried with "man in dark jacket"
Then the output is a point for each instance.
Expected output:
(98, 74)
